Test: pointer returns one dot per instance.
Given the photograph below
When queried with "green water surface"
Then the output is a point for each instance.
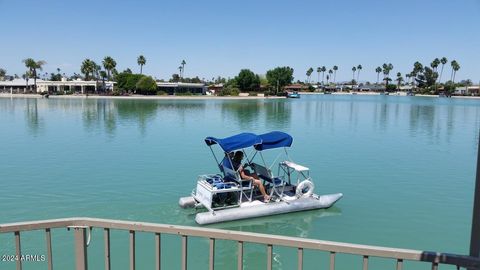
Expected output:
(406, 167)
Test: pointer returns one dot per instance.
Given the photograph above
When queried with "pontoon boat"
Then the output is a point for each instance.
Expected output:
(228, 197)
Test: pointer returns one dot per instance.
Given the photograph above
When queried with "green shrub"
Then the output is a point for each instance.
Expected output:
(146, 85)
(229, 91)
(161, 93)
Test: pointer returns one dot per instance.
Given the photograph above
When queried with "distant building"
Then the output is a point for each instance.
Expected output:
(181, 88)
(472, 90)
(75, 86)
(295, 87)
(215, 88)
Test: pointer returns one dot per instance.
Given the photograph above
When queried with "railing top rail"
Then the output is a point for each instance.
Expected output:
(296, 242)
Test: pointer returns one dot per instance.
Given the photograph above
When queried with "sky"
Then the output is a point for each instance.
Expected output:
(221, 37)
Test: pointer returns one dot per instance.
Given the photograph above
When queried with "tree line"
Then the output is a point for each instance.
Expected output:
(421, 77)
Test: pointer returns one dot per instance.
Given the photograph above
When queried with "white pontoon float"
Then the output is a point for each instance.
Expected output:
(227, 197)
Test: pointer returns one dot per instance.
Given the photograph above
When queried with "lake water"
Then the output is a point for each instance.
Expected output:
(406, 166)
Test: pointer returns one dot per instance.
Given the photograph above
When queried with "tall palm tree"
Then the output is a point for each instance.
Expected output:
(33, 65)
(319, 69)
(183, 67)
(335, 68)
(359, 67)
(455, 68)
(434, 64)
(417, 68)
(141, 61)
(399, 80)
(180, 68)
(443, 61)
(323, 73)
(309, 73)
(353, 70)
(330, 72)
(378, 70)
(386, 71)
(109, 64)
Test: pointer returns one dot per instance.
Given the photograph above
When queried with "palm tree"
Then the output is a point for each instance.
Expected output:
(309, 72)
(323, 72)
(455, 68)
(378, 70)
(417, 68)
(335, 68)
(386, 71)
(88, 67)
(328, 77)
(330, 72)
(109, 64)
(359, 67)
(399, 80)
(183, 67)
(33, 65)
(3, 72)
(353, 78)
(443, 61)
(319, 69)
(435, 64)
(180, 68)
(141, 61)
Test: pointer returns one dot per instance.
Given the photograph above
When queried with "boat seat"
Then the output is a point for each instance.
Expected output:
(277, 183)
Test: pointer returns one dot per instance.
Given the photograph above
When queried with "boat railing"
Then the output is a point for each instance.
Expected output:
(81, 226)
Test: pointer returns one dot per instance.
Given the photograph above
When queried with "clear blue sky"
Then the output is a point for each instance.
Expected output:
(221, 37)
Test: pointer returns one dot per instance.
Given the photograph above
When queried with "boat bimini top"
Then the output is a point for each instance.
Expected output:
(270, 140)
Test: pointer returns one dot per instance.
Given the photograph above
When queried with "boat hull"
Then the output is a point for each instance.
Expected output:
(259, 209)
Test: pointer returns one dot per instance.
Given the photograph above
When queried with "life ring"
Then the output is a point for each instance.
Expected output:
(304, 189)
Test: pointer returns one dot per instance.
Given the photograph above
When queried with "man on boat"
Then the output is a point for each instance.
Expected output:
(245, 174)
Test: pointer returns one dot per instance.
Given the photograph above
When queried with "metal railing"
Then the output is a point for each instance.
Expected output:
(81, 225)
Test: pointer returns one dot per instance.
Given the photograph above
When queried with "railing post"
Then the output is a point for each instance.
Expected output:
(212, 254)
(158, 251)
(48, 239)
(80, 248)
(475, 233)
(106, 239)
(269, 257)
(300, 259)
(240, 256)
(399, 264)
(132, 250)
(184, 252)
(332, 260)
(365, 262)
(18, 250)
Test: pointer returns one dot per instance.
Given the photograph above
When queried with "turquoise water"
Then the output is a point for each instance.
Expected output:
(406, 166)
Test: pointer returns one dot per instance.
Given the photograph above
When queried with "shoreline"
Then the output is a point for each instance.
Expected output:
(166, 97)
(142, 97)
(396, 94)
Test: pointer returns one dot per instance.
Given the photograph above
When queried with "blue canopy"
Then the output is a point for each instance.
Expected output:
(274, 139)
(235, 142)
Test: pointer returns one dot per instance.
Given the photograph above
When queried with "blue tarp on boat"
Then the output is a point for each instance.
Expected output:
(235, 142)
(274, 139)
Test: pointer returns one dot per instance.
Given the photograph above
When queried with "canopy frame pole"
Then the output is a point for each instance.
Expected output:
(475, 234)
(286, 153)
(213, 153)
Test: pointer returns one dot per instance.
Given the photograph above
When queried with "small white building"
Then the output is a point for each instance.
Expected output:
(173, 88)
(79, 86)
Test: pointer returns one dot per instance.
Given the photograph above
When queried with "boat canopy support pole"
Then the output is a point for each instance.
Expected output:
(475, 234)
(213, 153)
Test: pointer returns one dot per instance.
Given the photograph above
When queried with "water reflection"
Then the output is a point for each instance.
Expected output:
(104, 114)
(34, 121)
